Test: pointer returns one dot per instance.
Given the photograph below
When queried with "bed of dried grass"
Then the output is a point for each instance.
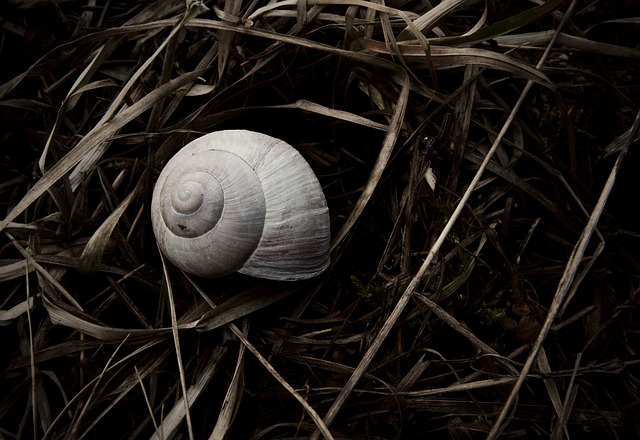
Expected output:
(484, 278)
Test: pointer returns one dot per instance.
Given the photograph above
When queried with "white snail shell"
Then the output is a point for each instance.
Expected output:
(237, 200)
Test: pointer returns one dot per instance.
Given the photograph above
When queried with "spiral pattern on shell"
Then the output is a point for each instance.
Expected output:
(237, 200)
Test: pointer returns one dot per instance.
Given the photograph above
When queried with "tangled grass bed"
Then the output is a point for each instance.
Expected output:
(479, 165)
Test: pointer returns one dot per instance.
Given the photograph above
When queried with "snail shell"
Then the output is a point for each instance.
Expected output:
(237, 200)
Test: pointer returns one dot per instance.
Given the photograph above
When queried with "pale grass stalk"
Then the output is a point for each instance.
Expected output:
(146, 397)
(233, 396)
(176, 341)
(32, 359)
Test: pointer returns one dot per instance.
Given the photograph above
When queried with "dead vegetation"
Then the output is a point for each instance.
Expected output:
(479, 165)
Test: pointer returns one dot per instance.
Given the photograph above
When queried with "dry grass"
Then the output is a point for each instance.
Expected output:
(477, 160)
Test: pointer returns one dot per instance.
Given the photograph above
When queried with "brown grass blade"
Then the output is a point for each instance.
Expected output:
(551, 387)
(244, 303)
(225, 38)
(8, 316)
(232, 398)
(92, 253)
(505, 26)
(95, 137)
(448, 57)
(537, 39)
(429, 19)
(313, 107)
(86, 324)
(176, 342)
